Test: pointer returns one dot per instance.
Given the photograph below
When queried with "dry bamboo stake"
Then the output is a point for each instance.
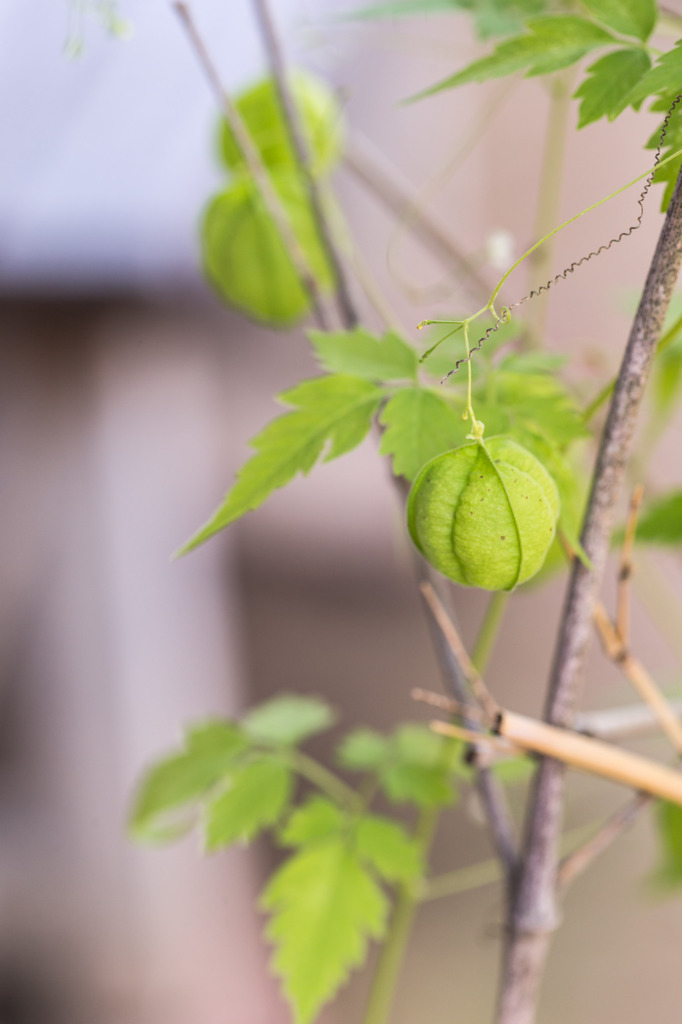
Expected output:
(638, 676)
(593, 756)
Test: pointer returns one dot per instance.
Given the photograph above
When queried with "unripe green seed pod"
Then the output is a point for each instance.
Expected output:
(484, 514)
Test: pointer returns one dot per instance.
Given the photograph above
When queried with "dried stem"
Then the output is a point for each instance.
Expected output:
(621, 723)
(625, 571)
(387, 185)
(489, 790)
(574, 864)
(301, 150)
(533, 914)
(256, 167)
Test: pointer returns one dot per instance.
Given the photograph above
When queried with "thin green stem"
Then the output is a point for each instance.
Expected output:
(393, 952)
(327, 781)
(487, 635)
(577, 216)
(410, 895)
(549, 195)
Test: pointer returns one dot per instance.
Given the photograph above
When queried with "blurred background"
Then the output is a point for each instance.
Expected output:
(128, 394)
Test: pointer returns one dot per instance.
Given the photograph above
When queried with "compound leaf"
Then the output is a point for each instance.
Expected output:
(663, 77)
(631, 17)
(419, 425)
(609, 79)
(333, 414)
(287, 720)
(363, 750)
(364, 355)
(211, 750)
(318, 818)
(550, 43)
(388, 848)
(325, 906)
(256, 799)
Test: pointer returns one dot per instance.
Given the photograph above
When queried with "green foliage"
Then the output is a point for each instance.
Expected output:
(661, 521)
(333, 415)
(419, 425)
(609, 79)
(491, 17)
(548, 44)
(210, 751)
(361, 354)
(262, 116)
(663, 77)
(411, 766)
(669, 821)
(256, 797)
(324, 907)
(245, 258)
(629, 17)
(386, 846)
(317, 818)
(288, 720)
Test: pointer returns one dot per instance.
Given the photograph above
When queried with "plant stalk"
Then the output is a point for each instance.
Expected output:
(533, 915)
(299, 144)
(549, 199)
(410, 895)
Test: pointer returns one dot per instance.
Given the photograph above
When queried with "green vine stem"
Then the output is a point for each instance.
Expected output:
(549, 196)
(411, 895)
(327, 781)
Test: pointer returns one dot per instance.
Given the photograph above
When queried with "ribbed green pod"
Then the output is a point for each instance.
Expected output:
(484, 514)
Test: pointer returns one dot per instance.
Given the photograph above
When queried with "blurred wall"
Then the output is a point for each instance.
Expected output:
(127, 399)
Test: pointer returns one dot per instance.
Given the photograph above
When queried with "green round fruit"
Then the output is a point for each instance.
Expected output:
(484, 514)
(260, 109)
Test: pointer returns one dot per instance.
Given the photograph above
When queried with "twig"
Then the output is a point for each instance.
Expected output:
(625, 570)
(388, 186)
(621, 723)
(301, 150)
(255, 165)
(574, 864)
(534, 914)
(490, 792)
(471, 674)
(637, 675)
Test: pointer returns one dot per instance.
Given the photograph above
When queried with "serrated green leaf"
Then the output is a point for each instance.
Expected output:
(257, 797)
(363, 750)
(419, 425)
(245, 258)
(212, 749)
(325, 906)
(287, 720)
(530, 403)
(362, 354)
(669, 821)
(423, 785)
(316, 819)
(630, 17)
(333, 415)
(664, 77)
(661, 521)
(387, 847)
(609, 79)
(261, 113)
(417, 744)
(552, 42)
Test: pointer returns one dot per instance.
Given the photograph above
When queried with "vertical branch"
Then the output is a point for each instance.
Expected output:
(534, 913)
(301, 150)
(255, 165)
